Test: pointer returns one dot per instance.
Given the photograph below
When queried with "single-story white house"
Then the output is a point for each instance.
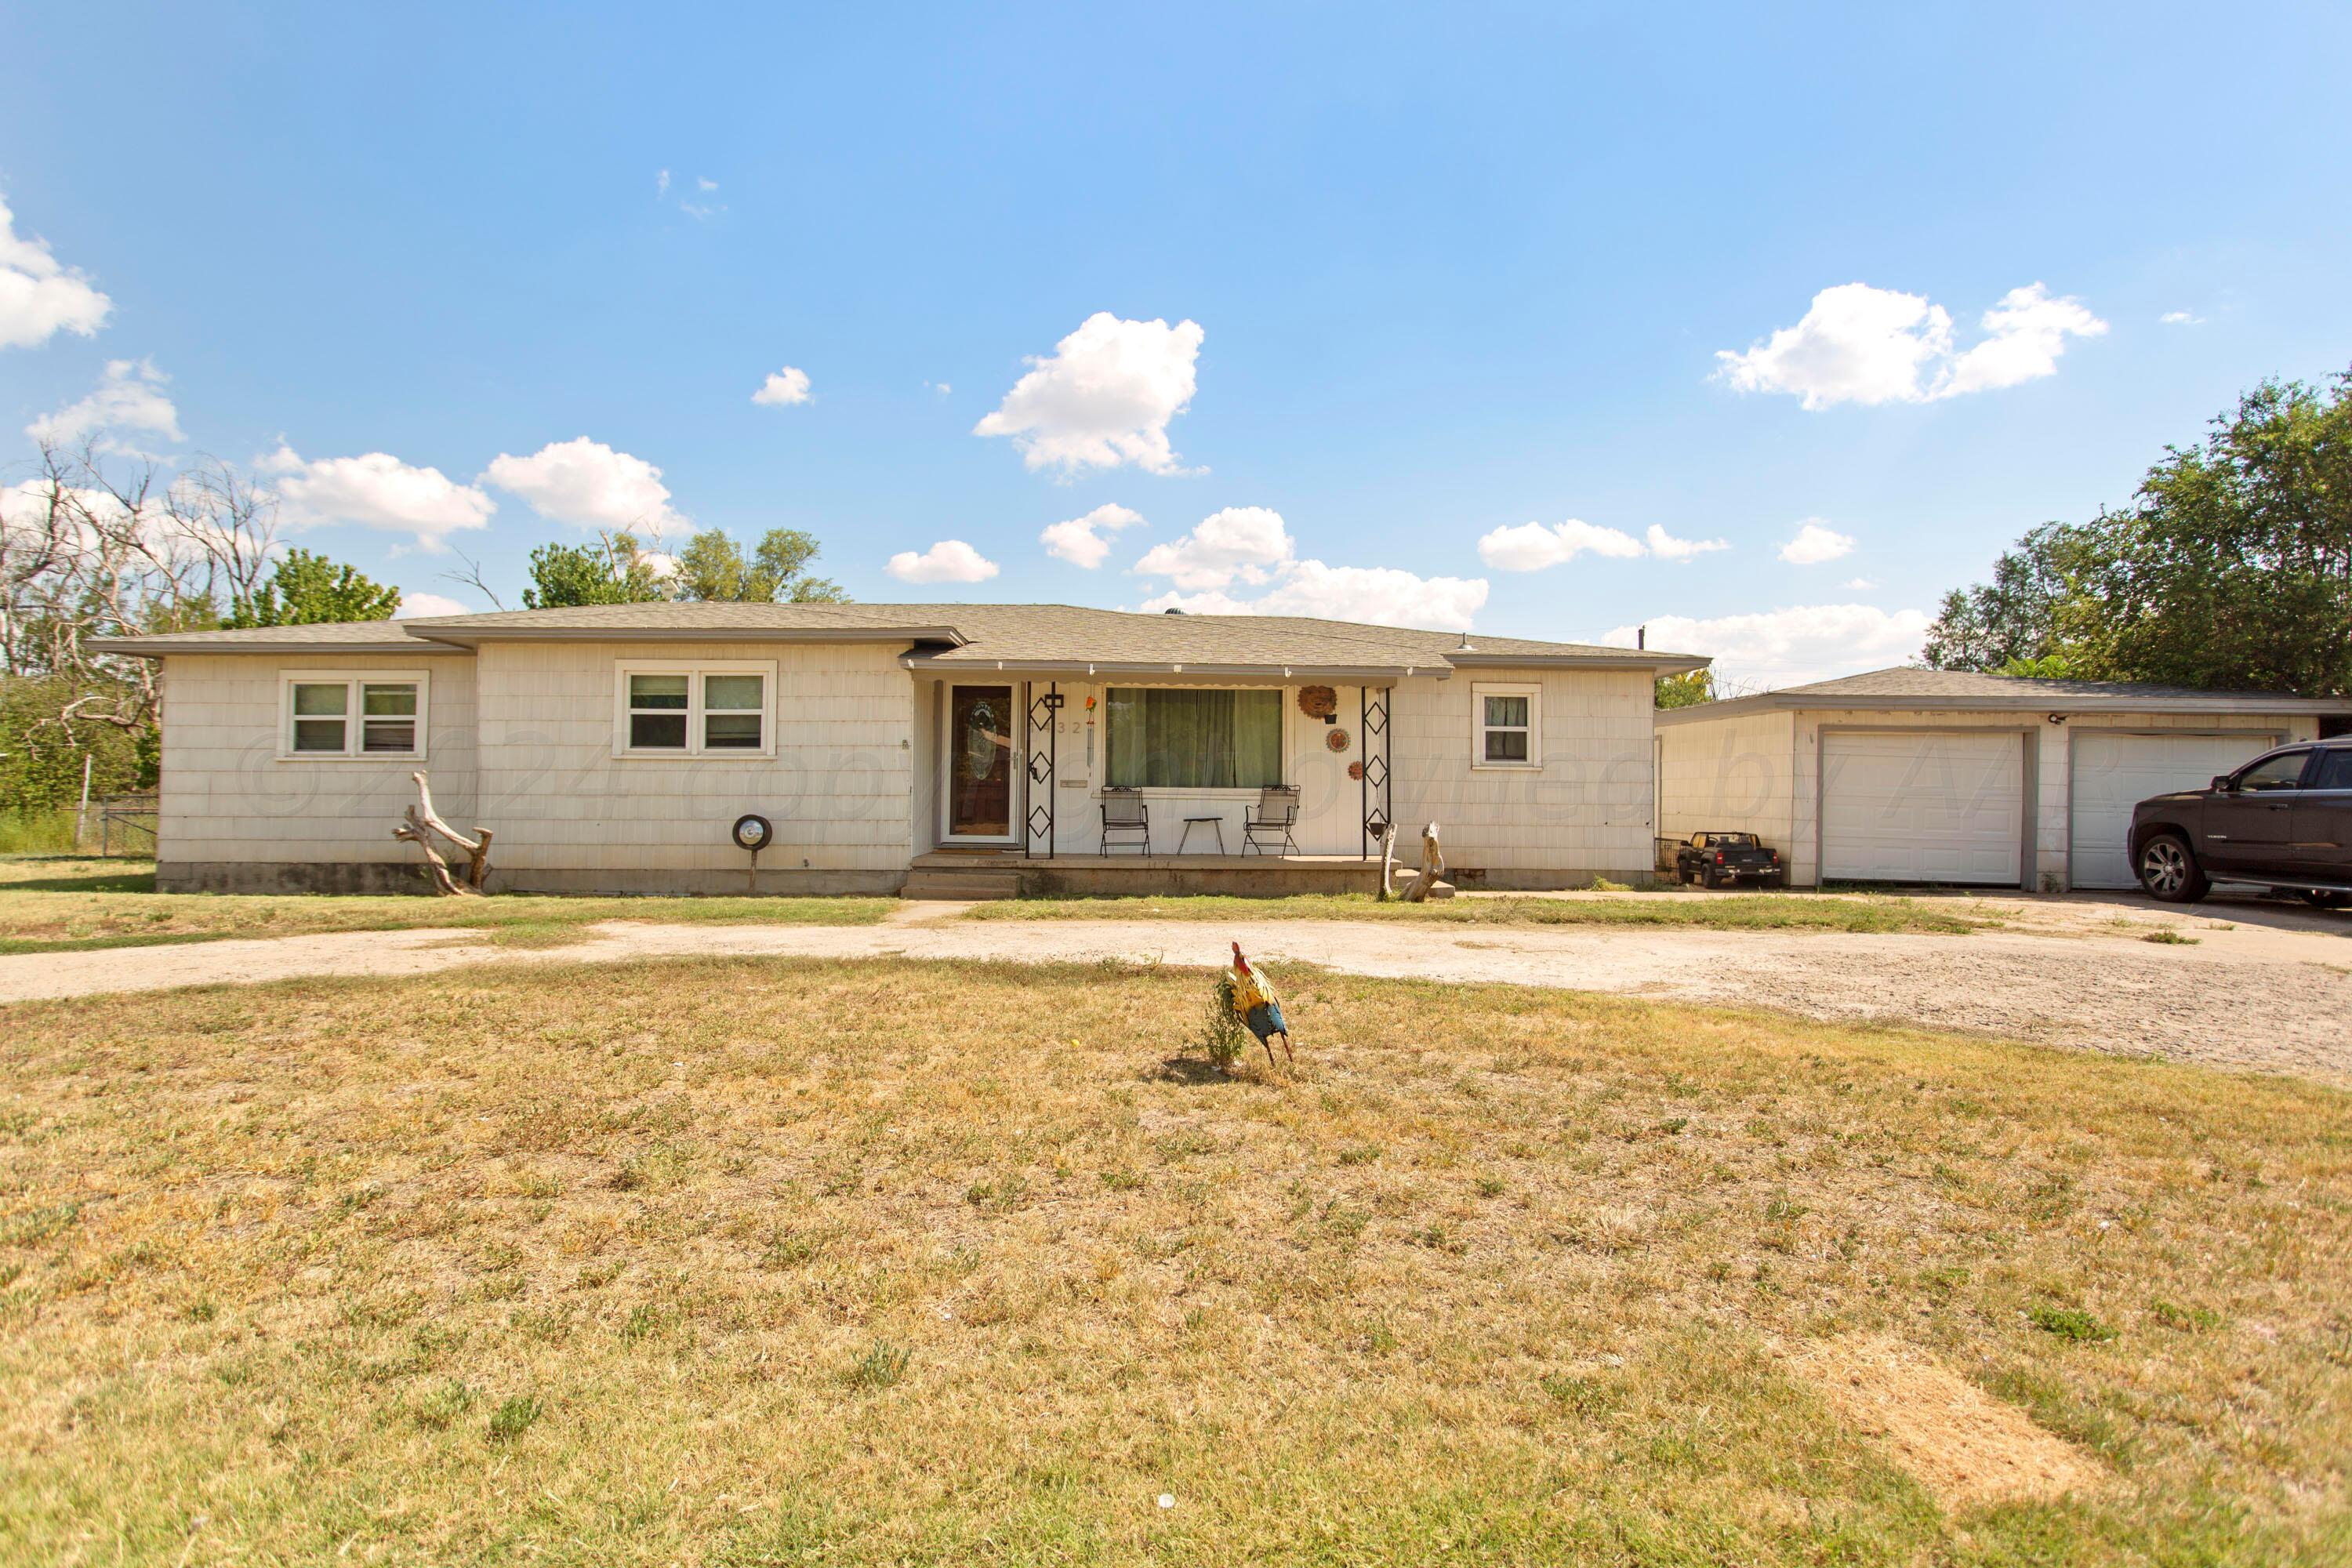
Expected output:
(1944, 776)
(613, 748)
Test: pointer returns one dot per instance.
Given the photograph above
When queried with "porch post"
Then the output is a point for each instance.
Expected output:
(1372, 723)
(1044, 717)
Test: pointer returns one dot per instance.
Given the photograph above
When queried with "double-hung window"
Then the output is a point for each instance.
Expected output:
(1507, 726)
(328, 715)
(670, 709)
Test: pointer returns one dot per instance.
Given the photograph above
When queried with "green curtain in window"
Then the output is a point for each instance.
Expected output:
(1166, 738)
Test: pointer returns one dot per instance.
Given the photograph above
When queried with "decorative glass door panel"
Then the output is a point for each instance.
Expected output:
(982, 725)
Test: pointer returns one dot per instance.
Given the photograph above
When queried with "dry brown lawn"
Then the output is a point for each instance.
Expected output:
(762, 1262)
(64, 904)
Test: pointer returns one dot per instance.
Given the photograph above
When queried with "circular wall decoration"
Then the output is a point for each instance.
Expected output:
(1319, 702)
(752, 832)
(1355, 770)
(1337, 740)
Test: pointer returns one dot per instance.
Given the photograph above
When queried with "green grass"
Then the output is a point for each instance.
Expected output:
(40, 832)
(1757, 911)
(756, 1262)
(64, 904)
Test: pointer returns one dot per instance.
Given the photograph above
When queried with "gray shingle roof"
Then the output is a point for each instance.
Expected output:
(1030, 636)
(1964, 690)
(343, 637)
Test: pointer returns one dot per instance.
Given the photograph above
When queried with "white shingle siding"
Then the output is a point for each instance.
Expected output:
(227, 796)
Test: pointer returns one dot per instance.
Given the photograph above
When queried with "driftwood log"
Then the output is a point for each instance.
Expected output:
(1425, 884)
(420, 822)
(1388, 863)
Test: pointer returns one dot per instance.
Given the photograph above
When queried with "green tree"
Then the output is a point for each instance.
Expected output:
(2231, 569)
(2013, 617)
(614, 570)
(308, 589)
(712, 566)
(1686, 690)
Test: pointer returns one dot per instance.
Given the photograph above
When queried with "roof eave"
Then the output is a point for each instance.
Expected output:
(472, 636)
(1658, 663)
(157, 647)
(1274, 671)
(2070, 704)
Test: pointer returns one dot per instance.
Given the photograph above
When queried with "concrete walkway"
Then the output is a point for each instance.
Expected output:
(2265, 1002)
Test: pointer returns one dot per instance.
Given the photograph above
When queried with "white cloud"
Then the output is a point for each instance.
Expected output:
(376, 490)
(415, 605)
(1861, 344)
(1859, 585)
(1815, 543)
(589, 485)
(787, 385)
(948, 560)
(129, 397)
(701, 184)
(2181, 319)
(1667, 547)
(39, 295)
(1788, 646)
(942, 387)
(1383, 594)
(1532, 546)
(1246, 541)
(1103, 397)
(1250, 545)
(1077, 541)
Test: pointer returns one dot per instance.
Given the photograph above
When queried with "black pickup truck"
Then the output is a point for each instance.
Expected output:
(2283, 820)
(1717, 859)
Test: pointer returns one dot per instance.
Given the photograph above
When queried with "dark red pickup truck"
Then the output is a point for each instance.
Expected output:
(1719, 860)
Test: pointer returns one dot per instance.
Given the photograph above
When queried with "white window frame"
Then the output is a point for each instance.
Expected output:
(694, 669)
(355, 721)
(1479, 692)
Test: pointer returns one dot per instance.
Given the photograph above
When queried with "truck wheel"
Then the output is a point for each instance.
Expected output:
(2169, 871)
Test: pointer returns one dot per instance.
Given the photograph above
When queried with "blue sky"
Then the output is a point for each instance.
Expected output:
(1446, 277)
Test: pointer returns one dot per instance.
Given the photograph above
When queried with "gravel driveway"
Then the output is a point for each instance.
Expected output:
(2277, 995)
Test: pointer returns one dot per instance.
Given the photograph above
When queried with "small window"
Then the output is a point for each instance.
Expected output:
(2335, 770)
(1505, 732)
(685, 711)
(658, 705)
(733, 707)
(2281, 772)
(320, 708)
(330, 715)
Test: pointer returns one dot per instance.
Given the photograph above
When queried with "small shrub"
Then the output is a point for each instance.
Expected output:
(443, 1406)
(2071, 1323)
(1489, 1186)
(1223, 1034)
(2169, 938)
(1360, 1154)
(514, 1416)
(1603, 885)
(879, 1367)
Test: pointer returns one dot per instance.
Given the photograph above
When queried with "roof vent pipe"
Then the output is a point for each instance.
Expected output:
(1640, 639)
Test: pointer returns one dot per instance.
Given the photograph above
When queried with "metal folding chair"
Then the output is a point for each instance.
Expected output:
(1267, 828)
(1126, 819)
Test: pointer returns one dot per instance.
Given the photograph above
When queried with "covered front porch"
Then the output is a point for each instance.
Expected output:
(985, 873)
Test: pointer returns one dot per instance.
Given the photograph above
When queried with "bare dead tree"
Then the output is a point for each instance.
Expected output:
(91, 547)
(471, 577)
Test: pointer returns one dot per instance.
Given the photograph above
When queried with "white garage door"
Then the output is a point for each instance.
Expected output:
(1940, 805)
(2114, 773)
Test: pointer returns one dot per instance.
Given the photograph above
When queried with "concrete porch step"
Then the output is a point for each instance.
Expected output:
(926, 882)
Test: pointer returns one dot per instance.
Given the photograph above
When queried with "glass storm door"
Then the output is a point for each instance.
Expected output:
(981, 729)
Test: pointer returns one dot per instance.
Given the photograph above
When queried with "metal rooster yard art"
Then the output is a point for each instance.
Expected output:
(1255, 1000)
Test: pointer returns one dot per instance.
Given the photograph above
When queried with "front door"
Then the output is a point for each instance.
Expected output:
(981, 731)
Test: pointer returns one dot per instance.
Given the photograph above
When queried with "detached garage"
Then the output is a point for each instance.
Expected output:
(1943, 777)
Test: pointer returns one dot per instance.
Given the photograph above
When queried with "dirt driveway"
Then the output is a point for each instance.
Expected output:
(2259, 986)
